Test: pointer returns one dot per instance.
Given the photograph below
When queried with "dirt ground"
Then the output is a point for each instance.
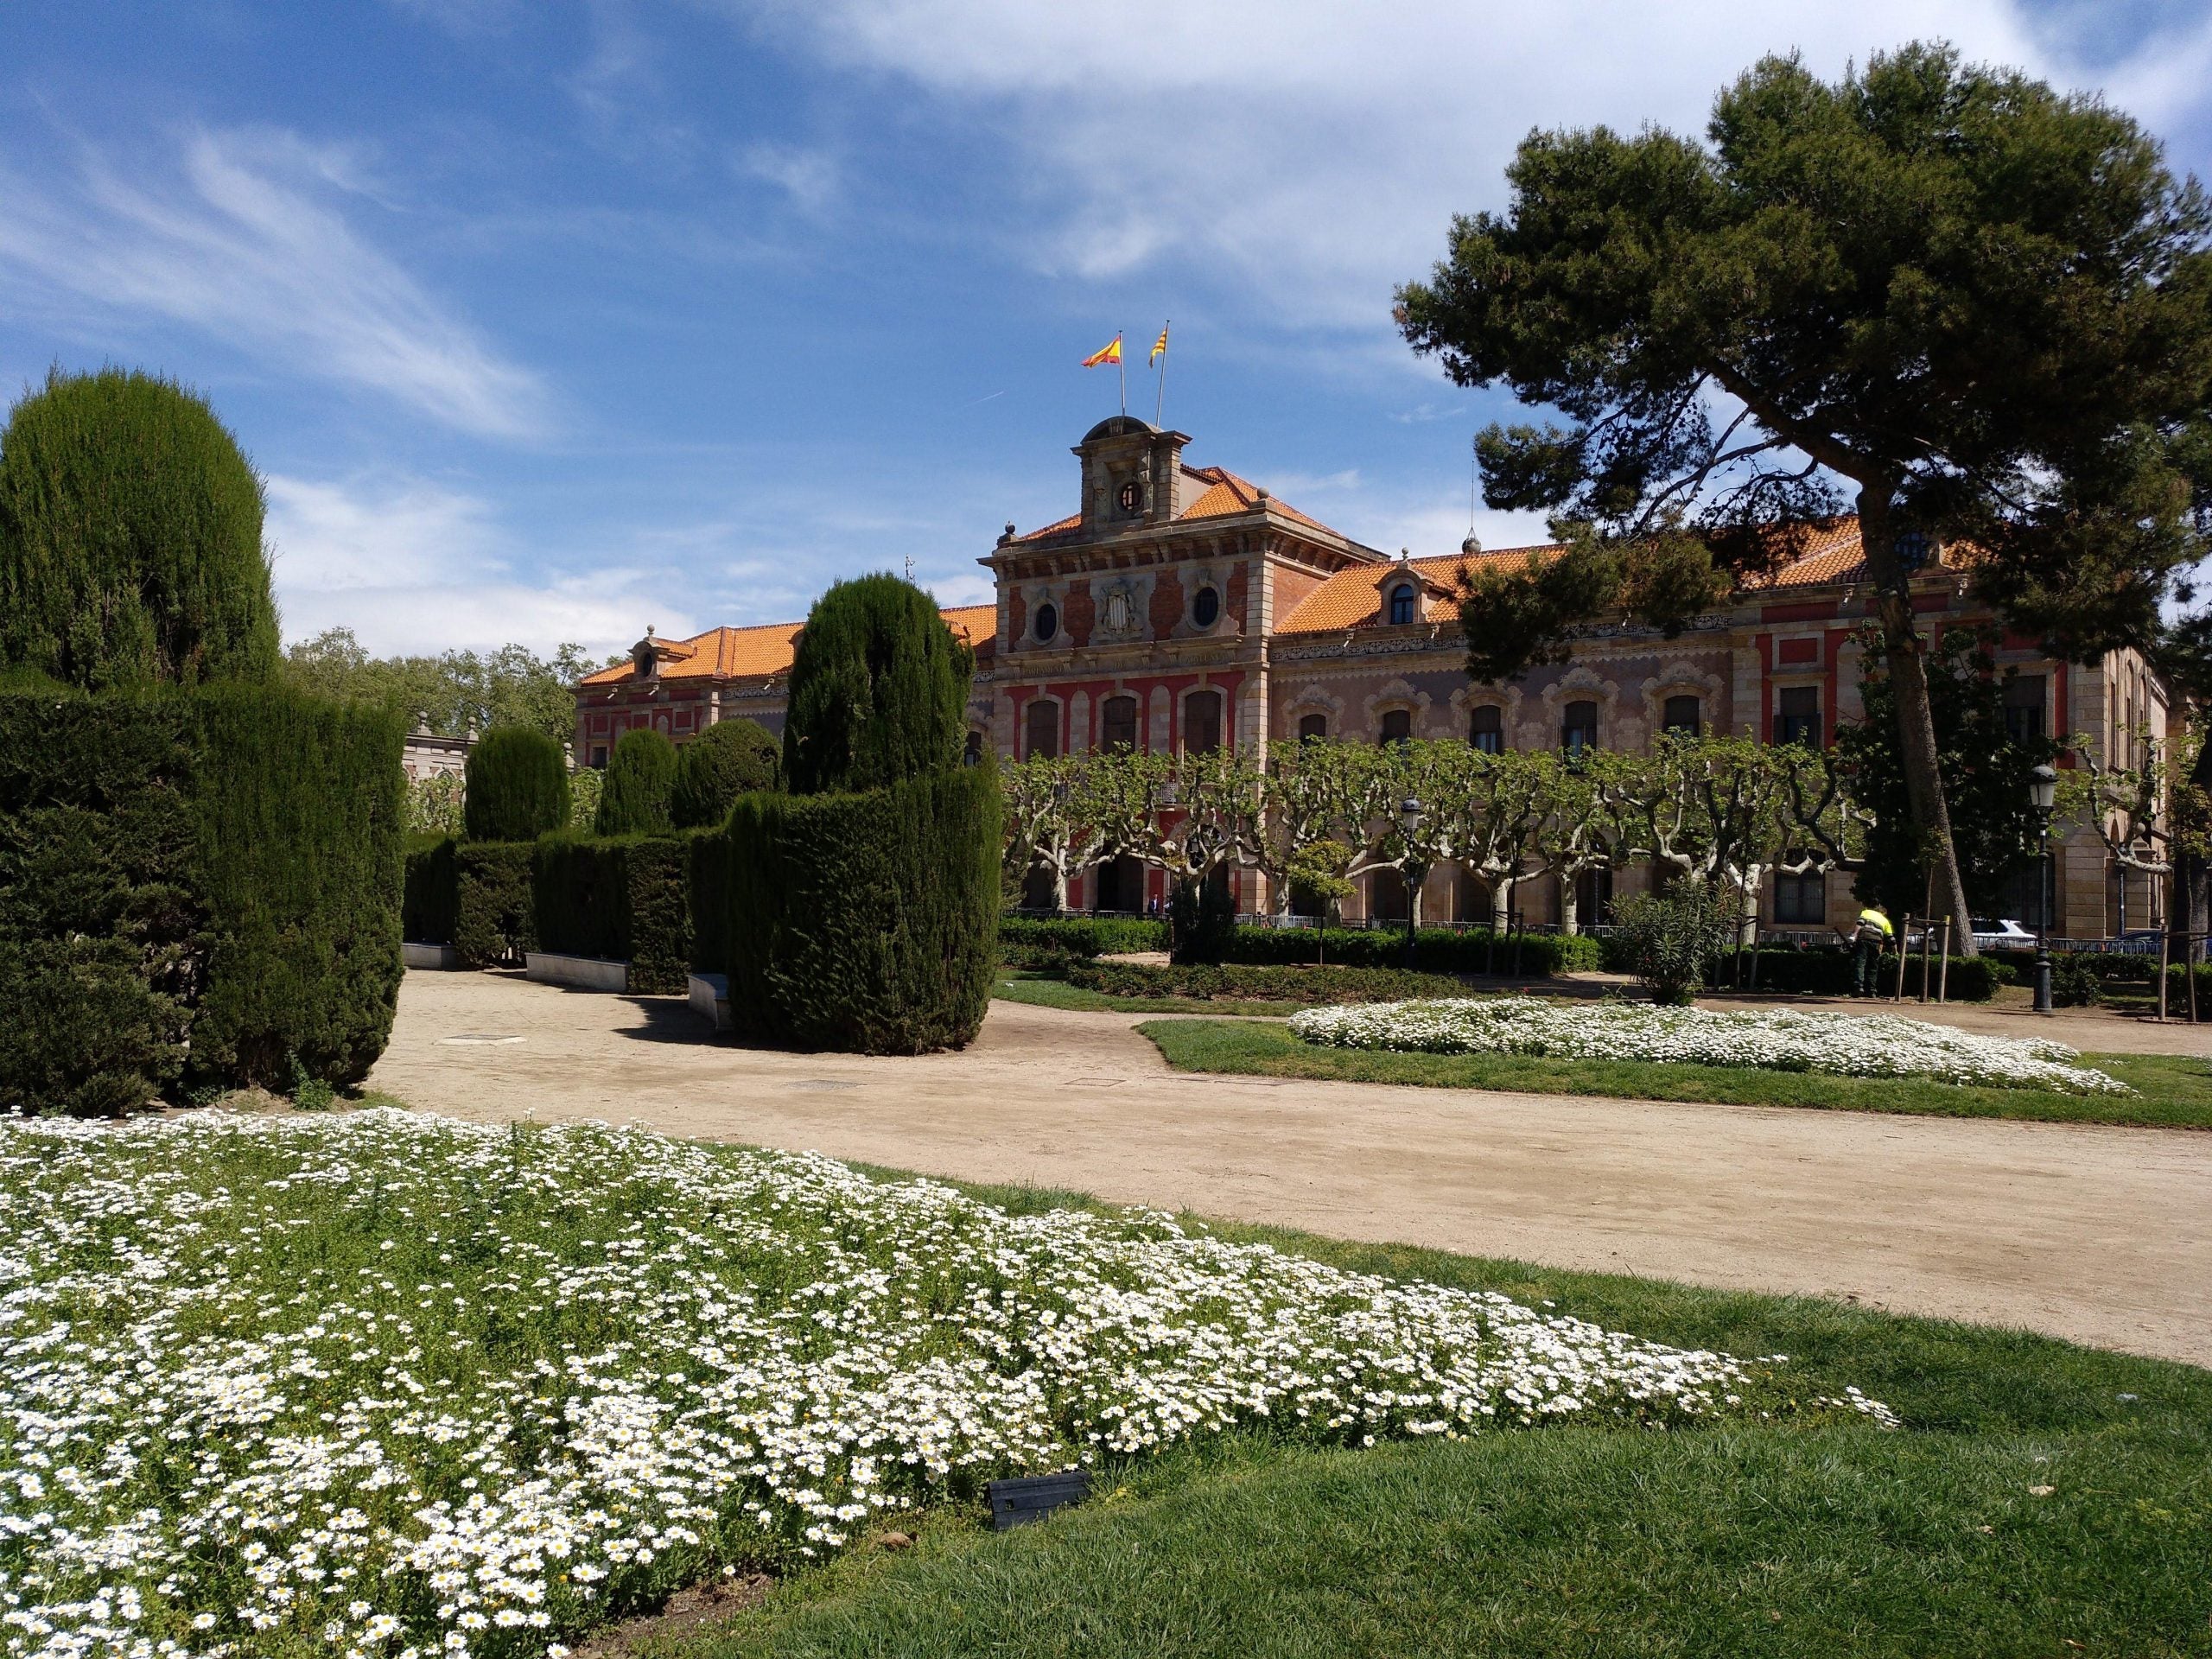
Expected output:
(2103, 1236)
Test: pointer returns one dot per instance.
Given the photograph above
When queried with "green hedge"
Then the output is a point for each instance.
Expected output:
(1436, 951)
(1240, 982)
(866, 922)
(495, 905)
(195, 888)
(622, 898)
(1022, 937)
(640, 778)
(1827, 972)
(428, 902)
(708, 857)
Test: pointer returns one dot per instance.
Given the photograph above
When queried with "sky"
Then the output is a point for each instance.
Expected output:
(550, 320)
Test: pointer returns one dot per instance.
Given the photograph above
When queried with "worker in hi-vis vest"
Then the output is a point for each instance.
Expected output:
(1872, 932)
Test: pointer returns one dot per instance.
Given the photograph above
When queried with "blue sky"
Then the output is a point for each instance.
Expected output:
(548, 321)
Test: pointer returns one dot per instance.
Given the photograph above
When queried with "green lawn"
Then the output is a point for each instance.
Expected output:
(2174, 1092)
(1795, 1538)
(1043, 993)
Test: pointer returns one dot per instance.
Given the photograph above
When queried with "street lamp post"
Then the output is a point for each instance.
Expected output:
(1409, 821)
(2043, 794)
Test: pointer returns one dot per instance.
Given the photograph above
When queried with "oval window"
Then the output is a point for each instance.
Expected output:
(1206, 609)
(1048, 621)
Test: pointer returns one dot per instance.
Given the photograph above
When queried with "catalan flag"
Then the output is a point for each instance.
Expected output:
(1108, 353)
(1159, 347)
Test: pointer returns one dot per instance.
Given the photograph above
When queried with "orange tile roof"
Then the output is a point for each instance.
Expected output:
(1225, 493)
(740, 653)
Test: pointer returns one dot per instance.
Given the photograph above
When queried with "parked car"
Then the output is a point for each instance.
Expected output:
(1994, 934)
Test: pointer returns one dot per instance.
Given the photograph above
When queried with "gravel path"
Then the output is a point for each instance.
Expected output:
(2100, 1235)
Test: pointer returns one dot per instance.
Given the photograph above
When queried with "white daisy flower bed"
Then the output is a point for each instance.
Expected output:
(384, 1383)
(1775, 1040)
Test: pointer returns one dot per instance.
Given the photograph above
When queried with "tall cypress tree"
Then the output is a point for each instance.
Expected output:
(641, 777)
(879, 689)
(130, 545)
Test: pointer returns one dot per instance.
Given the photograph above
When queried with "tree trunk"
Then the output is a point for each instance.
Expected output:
(1501, 905)
(1907, 654)
(1569, 904)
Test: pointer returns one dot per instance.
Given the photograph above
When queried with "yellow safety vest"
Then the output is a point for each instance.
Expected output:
(1878, 920)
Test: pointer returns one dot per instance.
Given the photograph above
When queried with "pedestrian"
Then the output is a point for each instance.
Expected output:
(1872, 932)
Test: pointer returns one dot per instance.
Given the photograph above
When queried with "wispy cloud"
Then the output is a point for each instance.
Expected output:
(246, 238)
(809, 177)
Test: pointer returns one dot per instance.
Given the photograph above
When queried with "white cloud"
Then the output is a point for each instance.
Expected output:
(244, 238)
(1310, 153)
(809, 177)
(412, 566)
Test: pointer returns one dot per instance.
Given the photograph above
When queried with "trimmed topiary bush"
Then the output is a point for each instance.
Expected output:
(1436, 949)
(866, 922)
(1024, 941)
(622, 899)
(729, 759)
(708, 858)
(495, 903)
(879, 689)
(640, 777)
(199, 888)
(130, 548)
(427, 900)
(517, 785)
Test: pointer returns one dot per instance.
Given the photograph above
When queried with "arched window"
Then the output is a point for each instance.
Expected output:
(1681, 718)
(1048, 621)
(1206, 609)
(1397, 726)
(1312, 728)
(1486, 728)
(972, 754)
(1402, 604)
(1386, 896)
(1042, 729)
(1117, 724)
(1201, 723)
(1579, 730)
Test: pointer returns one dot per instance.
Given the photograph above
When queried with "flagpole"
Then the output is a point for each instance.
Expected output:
(1122, 370)
(1162, 402)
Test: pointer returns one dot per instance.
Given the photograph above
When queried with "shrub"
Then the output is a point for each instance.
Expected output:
(1201, 921)
(427, 900)
(729, 759)
(518, 787)
(1029, 941)
(1824, 971)
(1436, 949)
(1237, 983)
(640, 774)
(866, 922)
(707, 855)
(623, 899)
(2074, 983)
(1670, 938)
(495, 906)
(213, 877)
(879, 689)
(586, 784)
(131, 547)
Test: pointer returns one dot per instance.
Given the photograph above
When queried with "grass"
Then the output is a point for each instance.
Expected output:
(1040, 991)
(2174, 1092)
(1789, 1539)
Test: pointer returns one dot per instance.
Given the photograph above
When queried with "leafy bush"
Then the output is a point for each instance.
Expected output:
(1028, 941)
(586, 784)
(495, 906)
(640, 776)
(1436, 951)
(623, 900)
(517, 785)
(1237, 983)
(428, 901)
(707, 855)
(2074, 983)
(879, 689)
(1201, 921)
(1671, 938)
(194, 888)
(866, 922)
(130, 546)
(729, 759)
(434, 804)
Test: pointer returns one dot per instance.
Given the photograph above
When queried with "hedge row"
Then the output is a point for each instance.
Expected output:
(1820, 972)
(1242, 983)
(867, 921)
(196, 888)
(624, 899)
(1436, 951)
(1025, 940)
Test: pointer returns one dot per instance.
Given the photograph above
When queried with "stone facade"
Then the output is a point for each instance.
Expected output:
(1183, 606)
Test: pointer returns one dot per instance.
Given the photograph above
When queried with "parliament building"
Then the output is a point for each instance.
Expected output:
(1182, 607)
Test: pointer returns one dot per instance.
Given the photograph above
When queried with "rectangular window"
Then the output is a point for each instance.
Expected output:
(598, 757)
(2024, 706)
(1486, 728)
(1797, 715)
(1201, 723)
(1117, 724)
(1681, 716)
(1043, 729)
(1397, 726)
(1579, 730)
(1801, 900)
(1312, 728)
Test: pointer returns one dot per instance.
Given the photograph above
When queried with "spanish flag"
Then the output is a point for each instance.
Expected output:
(1111, 354)
(1159, 347)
